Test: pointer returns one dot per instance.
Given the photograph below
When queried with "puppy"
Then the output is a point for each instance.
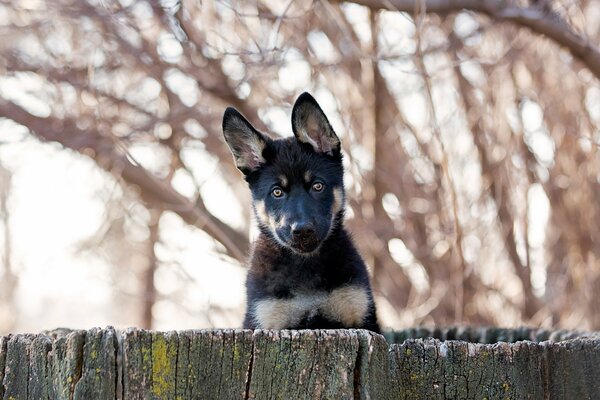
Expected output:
(305, 272)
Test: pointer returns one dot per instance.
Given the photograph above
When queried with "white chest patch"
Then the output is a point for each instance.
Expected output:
(348, 305)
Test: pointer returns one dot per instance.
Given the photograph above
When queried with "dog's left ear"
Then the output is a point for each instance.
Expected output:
(310, 125)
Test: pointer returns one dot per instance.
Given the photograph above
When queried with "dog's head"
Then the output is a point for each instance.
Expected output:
(296, 182)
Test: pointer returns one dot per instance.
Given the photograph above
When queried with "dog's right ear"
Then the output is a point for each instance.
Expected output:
(310, 125)
(245, 142)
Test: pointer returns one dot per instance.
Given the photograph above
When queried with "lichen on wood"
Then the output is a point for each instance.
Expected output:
(420, 363)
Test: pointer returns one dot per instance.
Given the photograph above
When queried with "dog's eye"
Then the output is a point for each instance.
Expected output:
(277, 192)
(317, 186)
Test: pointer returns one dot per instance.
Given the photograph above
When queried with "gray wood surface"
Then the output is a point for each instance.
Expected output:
(450, 363)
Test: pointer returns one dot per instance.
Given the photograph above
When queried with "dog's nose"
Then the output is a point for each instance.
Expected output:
(302, 230)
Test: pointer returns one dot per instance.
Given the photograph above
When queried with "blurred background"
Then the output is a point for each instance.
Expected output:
(471, 141)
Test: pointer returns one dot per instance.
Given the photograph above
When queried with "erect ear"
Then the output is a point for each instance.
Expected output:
(310, 125)
(245, 142)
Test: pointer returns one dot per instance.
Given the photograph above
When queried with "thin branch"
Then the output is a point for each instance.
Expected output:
(538, 20)
(461, 267)
(53, 129)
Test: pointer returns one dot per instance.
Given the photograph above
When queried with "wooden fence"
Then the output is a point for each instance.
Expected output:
(450, 363)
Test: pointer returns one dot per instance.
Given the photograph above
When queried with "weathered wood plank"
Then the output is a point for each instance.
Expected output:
(164, 364)
(237, 353)
(574, 368)
(375, 368)
(303, 364)
(137, 364)
(66, 360)
(99, 371)
(39, 384)
(341, 364)
(16, 369)
(219, 362)
(3, 343)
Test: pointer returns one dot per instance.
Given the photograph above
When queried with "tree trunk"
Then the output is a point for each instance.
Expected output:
(452, 363)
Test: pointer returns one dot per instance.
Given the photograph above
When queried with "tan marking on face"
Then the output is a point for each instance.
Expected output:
(307, 176)
(261, 212)
(338, 200)
(272, 221)
(348, 304)
(285, 313)
(283, 180)
(278, 223)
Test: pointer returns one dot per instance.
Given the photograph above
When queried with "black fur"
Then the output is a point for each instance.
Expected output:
(305, 272)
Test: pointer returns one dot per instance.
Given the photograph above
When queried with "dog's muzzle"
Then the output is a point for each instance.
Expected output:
(304, 238)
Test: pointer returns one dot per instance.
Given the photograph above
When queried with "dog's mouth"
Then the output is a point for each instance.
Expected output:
(305, 244)
(301, 241)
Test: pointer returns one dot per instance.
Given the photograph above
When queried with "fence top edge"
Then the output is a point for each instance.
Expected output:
(394, 340)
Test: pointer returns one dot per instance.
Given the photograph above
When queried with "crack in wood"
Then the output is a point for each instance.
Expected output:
(249, 373)
(120, 368)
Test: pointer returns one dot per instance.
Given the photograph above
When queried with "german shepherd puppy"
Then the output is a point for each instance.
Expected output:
(305, 272)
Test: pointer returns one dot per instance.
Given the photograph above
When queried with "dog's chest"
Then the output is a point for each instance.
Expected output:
(347, 304)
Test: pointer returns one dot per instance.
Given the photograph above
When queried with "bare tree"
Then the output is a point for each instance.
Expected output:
(8, 276)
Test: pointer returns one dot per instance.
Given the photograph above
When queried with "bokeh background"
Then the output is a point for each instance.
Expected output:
(471, 133)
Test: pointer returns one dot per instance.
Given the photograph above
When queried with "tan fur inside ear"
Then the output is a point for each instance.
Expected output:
(246, 144)
(305, 137)
(249, 153)
(312, 127)
(349, 305)
(313, 134)
(313, 130)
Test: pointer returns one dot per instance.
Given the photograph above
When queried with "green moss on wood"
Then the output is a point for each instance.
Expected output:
(164, 362)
